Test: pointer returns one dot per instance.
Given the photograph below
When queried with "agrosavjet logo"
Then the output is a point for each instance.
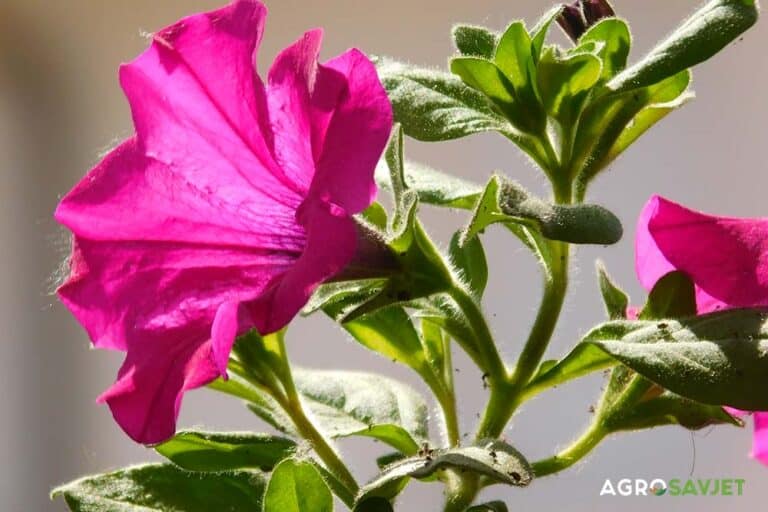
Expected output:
(675, 487)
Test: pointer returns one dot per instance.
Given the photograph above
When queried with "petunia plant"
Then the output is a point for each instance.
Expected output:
(240, 202)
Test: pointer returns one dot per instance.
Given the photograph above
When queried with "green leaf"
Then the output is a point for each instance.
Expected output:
(539, 31)
(297, 486)
(469, 258)
(656, 110)
(507, 202)
(362, 404)
(376, 216)
(338, 298)
(615, 300)
(433, 106)
(492, 506)
(434, 187)
(513, 57)
(390, 332)
(582, 360)
(673, 296)
(485, 76)
(704, 34)
(225, 451)
(717, 359)
(495, 460)
(611, 123)
(395, 160)
(563, 80)
(474, 40)
(671, 409)
(162, 488)
(616, 41)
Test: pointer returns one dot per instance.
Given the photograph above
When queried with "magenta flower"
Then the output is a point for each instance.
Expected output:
(231, 203)
(725, 257)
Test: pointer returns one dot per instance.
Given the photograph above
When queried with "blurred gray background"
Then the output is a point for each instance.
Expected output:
(61, 108)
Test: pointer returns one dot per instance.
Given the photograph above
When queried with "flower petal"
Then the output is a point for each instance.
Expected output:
(727, 258)
(292, 77)
(188, 114)
(126, 292)
(356, 133)
(146, 398)
(129, 196)
(760, 445)
(331, 243)
(331, 122)
(218, 49)
(223, 333)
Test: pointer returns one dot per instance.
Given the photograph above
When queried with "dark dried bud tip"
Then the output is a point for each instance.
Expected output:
(576, 18)
(572, 21)
(595, 10)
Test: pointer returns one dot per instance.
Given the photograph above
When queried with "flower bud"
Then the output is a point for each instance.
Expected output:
(572, 21)
(576, 18)
(595, 10)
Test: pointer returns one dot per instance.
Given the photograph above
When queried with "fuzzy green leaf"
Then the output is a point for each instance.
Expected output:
(362, 404)
(613, 34)
(432, 105)
(611, 123)
(495, 460)
(474, 40)
(433, 187)
(704, 34)
(614, 298)
(469, 258)
(671, 409)
(563, 81)
(540, 30)
(225, 451)
(673, 296)
(297, 486)
(162, 488)
(485, 76)
(718, 359)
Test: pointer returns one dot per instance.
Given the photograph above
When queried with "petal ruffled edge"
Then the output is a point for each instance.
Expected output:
(146, 398)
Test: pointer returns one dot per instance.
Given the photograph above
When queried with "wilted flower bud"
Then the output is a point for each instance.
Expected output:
(572, 21)
(576, 18)
(595, 10)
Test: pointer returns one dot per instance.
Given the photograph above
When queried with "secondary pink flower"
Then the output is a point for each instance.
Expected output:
(231, 203)
(725, 257)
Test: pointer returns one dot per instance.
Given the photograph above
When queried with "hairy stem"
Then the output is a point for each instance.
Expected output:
(461, 490)
(606, 415)
(492, 363)
(574, 453)
(291, 402)
(507, 396)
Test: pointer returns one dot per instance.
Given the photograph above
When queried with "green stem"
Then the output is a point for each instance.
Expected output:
(492, 363)
(291, 402)
(321, 446)
(505, 398)
(442, 388)
(574, 453)
(461, 490)
(607, 413)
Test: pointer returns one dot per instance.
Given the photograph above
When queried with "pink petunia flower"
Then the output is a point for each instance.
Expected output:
(725, 257)
(228, 207)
